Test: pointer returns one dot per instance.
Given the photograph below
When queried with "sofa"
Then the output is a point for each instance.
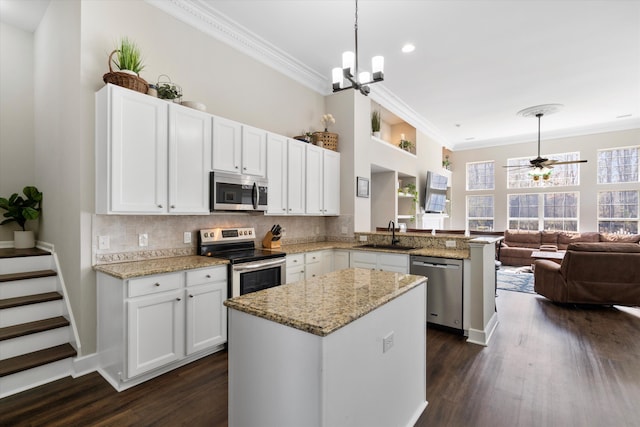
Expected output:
(592, 273)
(518, 245)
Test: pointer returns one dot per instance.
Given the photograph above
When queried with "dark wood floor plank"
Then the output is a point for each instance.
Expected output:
(547, 365)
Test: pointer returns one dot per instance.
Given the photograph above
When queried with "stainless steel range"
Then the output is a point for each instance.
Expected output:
(250, 269)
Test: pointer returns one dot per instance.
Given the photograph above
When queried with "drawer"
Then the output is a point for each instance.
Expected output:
(293, 260)
(312, 257)
(394, 260)
(206, 275)
(154, 284)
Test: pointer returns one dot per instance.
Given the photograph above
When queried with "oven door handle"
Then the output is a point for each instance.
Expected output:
(257, 265)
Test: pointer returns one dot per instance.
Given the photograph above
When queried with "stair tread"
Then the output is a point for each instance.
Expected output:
(29, 299)
(36, 358)
(22, 329)
(19, 253)
(27, 275)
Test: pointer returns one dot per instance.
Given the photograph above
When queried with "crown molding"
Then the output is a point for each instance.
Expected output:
(200, 15)
(593, 129)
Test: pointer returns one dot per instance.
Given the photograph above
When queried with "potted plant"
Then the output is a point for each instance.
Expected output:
(168, 90)
(406, 145)
(375, 123)
(129, 59)
(411, 190)
(20, 210)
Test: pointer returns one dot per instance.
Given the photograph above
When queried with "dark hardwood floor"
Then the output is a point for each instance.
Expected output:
(547, 365)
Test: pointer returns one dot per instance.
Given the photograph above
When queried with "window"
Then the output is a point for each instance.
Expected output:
(480, 213)
(480, 176)
(544, 211)
(618, 165)
(561, 175)
(618, 212)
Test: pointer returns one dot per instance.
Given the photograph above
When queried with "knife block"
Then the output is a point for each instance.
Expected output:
(268, 243)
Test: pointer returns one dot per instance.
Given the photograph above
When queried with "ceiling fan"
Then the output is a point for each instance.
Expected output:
(540, 166)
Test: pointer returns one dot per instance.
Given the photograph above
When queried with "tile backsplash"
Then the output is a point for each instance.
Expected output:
(166, 233)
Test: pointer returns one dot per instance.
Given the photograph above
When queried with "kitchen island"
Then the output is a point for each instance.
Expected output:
(346, 348)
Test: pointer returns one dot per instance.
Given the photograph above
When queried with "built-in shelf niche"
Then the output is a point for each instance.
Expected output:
(393, 128)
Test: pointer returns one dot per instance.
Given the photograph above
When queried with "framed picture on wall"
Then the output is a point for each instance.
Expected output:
(362, 187)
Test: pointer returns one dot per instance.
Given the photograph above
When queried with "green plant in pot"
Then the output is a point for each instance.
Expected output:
(128, 57)
(411, 189)
(406, 145)
(22, 209)
(375, 123)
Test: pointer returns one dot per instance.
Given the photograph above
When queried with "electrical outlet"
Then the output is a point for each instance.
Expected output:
(343, 230)
(363, 238)
(283, 231)
(103, 242)
(317, 229)
(450, 243)
(186, 237)
(387, 342)
(143, 239)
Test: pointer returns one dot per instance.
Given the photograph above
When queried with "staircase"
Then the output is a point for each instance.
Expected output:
(37, 338)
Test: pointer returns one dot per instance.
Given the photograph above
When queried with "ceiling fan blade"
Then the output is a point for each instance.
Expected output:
(517, 166)
(569, 162)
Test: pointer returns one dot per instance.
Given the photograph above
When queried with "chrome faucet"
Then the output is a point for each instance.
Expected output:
(392, 227)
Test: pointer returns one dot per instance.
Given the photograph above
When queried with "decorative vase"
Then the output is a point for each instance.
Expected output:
(23, 239)
(376, 134)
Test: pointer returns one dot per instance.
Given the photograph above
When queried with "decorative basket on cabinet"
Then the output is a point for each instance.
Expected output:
(326, 140)
(125, 79)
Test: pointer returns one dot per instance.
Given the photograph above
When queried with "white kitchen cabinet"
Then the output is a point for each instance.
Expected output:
(296, 174)
(131, 152)
(152, 157)
(238, 148)
(331, 182)
(155, 330)
(340, 260)
(314, 183)
(277, 174)
(189, 160)
(295, 268)
(149, 325)
(316, 264)
(227, 145)
(398, 263)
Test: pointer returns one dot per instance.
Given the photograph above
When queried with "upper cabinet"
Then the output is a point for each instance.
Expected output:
(239, 148)
(323, 181)
(148, 155)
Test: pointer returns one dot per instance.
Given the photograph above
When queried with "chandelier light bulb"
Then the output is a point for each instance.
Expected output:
(336, 75)
(348, 62)
(364, 77)
(377, 65)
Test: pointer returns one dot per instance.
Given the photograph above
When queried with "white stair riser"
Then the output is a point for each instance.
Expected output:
(20, 288)
(34, 342)
(31, 313)
(22, 264)
(25, 380)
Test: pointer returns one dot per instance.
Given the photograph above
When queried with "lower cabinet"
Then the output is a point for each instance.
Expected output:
(307, 265)
(398, 263)
(152, 324)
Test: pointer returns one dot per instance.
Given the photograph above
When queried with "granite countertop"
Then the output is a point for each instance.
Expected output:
(128, 270)
(317, 246)
(326, 303)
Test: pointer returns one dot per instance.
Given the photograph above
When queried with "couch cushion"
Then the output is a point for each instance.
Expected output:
(549, 238)
(622, 238)
(566, 238)
(604, 247)
(522, 238)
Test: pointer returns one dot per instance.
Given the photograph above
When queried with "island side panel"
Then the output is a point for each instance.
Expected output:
(274, 374)
(364, 386)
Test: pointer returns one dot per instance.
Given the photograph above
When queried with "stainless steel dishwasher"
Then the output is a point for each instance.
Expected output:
(444, 289)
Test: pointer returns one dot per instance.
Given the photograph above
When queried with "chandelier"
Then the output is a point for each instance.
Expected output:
(359, 80)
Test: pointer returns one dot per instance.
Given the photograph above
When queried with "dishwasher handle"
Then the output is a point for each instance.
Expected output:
(429, 264)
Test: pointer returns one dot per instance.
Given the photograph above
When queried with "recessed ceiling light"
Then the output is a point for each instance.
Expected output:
(407, 48)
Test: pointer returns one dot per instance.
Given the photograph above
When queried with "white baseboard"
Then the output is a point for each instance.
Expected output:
(85, 365)
(483, 337)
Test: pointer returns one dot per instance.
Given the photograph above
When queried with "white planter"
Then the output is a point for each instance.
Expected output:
(376, 134)
(23, 239)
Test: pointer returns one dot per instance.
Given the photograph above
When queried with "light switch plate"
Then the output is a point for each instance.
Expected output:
(186, 237)
(103, 242)
(143, 239)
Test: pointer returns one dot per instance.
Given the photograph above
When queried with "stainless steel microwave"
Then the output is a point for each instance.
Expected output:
(233, 192)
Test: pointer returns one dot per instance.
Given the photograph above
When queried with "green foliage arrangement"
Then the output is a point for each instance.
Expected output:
(168, 91)
(129, 57)
(406, 145)
(21, 209)
(375, 121)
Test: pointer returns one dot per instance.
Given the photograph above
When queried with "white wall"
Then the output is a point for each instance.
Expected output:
(16, 117)
(587, 146)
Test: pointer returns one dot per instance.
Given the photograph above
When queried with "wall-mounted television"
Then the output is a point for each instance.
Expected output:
(435, 197)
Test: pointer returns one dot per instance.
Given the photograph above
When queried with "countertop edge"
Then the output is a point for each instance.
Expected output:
(133, 269)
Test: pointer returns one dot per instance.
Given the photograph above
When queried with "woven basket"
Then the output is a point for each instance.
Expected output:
(326, 140)
(126, 80)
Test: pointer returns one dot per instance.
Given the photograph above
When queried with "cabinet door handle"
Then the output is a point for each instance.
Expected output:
(284, 209)
(244, 168)
(190, 296)
(173, 206)
(160, 206)
(178, 299)
(208, 276)
(156, 284)
(236, 167)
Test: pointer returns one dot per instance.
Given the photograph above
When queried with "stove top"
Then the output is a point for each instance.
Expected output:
(234, 244)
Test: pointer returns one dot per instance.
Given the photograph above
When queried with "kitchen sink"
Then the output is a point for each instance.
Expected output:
(391, 247)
